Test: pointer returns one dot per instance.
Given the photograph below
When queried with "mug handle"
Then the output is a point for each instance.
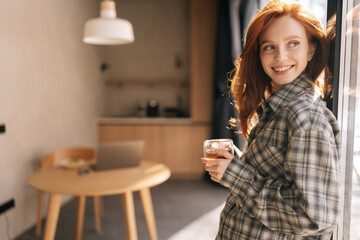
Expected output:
(237, 151)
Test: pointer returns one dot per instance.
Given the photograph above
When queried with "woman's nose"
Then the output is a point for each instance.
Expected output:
(281, 53)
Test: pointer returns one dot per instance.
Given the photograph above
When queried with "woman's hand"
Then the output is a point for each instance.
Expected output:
(216, 167)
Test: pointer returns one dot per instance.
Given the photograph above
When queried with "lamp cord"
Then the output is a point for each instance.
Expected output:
(7, 226)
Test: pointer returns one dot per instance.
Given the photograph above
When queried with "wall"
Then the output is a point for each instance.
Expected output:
(160, 53)
(50, 93)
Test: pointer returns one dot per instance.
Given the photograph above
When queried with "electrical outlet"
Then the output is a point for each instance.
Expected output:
(2, 128)
(7, 205)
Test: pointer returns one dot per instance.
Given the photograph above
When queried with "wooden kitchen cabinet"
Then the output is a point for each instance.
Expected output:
(177, 146)
(202, 51)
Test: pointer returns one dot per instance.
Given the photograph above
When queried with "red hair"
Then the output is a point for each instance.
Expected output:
(250, 85)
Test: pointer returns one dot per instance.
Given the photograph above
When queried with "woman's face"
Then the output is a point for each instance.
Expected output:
(285, 50)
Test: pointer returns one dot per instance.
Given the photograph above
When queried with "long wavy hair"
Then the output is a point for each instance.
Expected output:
(250, 85)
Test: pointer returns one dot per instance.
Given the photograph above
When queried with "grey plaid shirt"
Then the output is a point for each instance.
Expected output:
(286, 183)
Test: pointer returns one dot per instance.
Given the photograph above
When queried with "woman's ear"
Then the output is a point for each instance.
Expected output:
(311, 52)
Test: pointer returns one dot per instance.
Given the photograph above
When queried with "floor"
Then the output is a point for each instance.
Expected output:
(177, 203)
(184, 209)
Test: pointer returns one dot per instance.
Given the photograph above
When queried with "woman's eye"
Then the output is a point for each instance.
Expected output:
(294, 44)
(268, 47)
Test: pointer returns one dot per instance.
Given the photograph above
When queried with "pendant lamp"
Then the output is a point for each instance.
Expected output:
(107, 29)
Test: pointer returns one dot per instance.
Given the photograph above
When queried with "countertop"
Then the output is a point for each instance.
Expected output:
(145, 120)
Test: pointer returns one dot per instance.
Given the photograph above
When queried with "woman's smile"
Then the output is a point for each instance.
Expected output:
(282, 69)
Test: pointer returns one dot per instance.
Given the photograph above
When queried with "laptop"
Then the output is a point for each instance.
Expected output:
(119, 154)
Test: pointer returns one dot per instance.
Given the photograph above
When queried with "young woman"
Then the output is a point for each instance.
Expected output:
(285, 185)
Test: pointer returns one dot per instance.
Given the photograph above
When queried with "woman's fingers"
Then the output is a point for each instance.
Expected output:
(217, 167)
(209, 168)
(209, 161)
(214, 177)
(224, 154)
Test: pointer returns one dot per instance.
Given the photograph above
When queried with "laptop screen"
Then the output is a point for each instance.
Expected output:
(120, 154)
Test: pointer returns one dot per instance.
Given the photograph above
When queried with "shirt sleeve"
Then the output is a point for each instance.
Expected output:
(305, 201)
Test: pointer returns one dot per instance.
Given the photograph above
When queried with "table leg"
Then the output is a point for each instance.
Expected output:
(52, 216)
(101, 202)
(80, 217)
(39, 213)
(149, 212)
(129, 212)
(97, 213)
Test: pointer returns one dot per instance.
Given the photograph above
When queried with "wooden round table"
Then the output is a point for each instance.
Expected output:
(124, 181)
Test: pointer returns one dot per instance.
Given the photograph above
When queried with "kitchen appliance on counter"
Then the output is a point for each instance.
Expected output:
(141, 110)
(170, 112)
(177, 111)
(153, 108)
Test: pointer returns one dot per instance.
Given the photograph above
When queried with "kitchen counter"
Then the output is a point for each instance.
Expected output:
(166, 139)
(144, 121)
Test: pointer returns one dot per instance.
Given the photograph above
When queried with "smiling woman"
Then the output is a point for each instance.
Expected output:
(251, 82)
(285, 185)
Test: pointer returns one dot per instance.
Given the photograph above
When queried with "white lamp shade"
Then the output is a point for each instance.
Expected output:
(108, 31)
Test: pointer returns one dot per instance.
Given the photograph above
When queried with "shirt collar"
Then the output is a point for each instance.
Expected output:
(278, 100)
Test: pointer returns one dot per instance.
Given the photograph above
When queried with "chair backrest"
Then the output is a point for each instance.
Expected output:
(85, 153)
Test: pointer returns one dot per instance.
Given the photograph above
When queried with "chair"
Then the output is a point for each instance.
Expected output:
(53, 159)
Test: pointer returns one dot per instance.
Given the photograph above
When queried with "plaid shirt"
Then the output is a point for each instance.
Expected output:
(286, 183)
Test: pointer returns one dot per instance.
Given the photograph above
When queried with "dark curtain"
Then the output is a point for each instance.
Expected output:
(223, 101)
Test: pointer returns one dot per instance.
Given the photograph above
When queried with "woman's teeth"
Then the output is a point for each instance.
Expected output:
(282, 69)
